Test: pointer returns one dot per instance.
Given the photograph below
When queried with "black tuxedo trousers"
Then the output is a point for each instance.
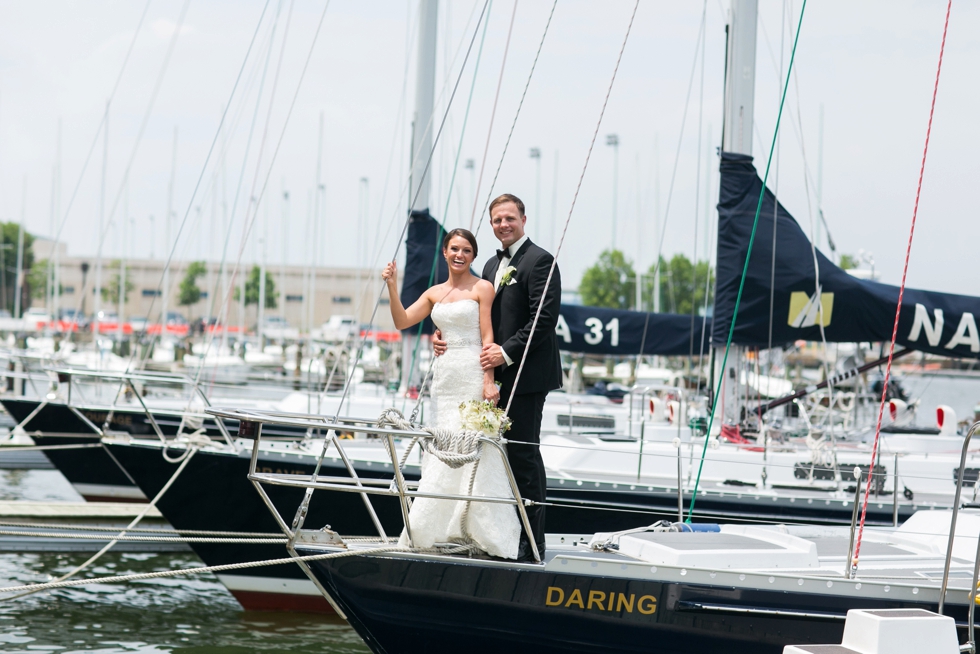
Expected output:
(524, 455)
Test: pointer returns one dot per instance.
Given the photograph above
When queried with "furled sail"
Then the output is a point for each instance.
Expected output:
(591, 330)
(423, 268)
(849, 309)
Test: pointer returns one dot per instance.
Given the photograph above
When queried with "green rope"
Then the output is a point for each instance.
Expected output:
(452, 183)
(745, 268)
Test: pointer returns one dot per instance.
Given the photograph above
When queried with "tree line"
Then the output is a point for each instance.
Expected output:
(611, 283)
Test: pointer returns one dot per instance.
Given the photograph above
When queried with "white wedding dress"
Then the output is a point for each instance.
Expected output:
(458, 378)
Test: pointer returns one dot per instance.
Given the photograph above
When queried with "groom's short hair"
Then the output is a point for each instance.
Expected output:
(507, 197)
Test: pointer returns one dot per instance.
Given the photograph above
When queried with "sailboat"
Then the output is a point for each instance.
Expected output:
(674, 587)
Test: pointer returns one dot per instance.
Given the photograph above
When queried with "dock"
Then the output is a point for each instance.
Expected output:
(48, 523)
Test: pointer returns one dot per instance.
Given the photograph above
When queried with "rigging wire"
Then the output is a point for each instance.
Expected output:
(258, 163)
(98, 131)
(697, 197)
(517, 114)
(775, 192)
(363, 292)
(214, 141)
(673, 175)
(146, 117)
(797, 126)
(852, 565)
(381, 241)
(493, 114)
(408, 219)
(503, 154)
(816, 269)
(256, 200)
(436, 254)
(704, 315)
(571, 209)
(745, 268)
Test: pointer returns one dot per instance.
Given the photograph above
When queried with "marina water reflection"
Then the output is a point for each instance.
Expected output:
(194, 614)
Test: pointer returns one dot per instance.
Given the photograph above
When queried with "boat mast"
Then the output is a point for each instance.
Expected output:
(98, 256)
(737, 138)
(425, 83)
(740, 77)
(165, 304)
(18, 296)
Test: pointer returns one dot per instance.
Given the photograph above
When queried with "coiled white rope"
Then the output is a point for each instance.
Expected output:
(453, 448)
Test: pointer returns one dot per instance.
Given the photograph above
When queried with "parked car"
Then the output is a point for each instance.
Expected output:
(338, 328)
(174, 318)
(69, 315)
(277, 328)
(36, 318)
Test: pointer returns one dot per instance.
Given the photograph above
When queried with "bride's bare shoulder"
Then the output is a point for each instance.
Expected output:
(483, 288)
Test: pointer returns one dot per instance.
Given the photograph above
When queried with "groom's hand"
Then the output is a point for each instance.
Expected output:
(438, 345)
(491, 357)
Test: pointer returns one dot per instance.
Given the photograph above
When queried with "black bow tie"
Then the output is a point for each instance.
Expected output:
(502, 253)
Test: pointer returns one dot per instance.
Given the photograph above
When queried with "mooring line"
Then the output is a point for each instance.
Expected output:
(35, 588)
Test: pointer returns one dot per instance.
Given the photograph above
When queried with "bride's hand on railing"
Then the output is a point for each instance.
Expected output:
(491, 392)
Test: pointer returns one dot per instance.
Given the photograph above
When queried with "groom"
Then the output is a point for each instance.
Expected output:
(519, 273)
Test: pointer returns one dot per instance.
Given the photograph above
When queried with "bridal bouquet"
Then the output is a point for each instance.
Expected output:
(484, 417)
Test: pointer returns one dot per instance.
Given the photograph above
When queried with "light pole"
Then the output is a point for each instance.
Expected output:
(470, 165)
(285, 254)
(362, 238)
(153, 238)
(536, 155)
(613, 140)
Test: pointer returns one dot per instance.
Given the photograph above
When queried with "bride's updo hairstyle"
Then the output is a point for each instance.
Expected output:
(465, 233)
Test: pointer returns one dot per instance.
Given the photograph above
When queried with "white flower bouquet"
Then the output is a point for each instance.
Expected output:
(483, 416)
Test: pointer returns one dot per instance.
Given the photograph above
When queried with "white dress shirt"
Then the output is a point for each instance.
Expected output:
(504, 262)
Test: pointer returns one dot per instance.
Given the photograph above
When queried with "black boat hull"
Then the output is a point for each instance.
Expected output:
(577, 507)
(421, 606)
(214, 492)
(93, 472)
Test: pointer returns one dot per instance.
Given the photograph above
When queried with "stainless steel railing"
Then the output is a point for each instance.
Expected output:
(956, 510)
(250, 427)
(129, 380)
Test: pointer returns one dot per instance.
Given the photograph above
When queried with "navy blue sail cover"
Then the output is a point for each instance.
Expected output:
(580, 329)
(594, 330)
(423, 266)
(850, 309)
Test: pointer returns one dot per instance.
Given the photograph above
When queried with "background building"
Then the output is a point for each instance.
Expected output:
(336, 291)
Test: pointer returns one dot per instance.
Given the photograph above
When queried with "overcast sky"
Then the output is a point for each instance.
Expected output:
(871, 66)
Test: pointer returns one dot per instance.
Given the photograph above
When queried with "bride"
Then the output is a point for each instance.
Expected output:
(460, 308)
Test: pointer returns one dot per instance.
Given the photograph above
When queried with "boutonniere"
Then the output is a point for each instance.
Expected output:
(507, 278)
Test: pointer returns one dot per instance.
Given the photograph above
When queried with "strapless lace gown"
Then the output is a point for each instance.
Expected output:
(458, 378)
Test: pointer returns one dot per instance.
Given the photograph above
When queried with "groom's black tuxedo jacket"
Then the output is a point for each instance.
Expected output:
(513, 312)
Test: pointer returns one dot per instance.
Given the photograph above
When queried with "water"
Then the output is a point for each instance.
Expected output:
(192, 614)
(960, 393)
